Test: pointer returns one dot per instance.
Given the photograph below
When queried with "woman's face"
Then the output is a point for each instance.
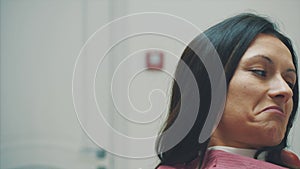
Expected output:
(259, 100)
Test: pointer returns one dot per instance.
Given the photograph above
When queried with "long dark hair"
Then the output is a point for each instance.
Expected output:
(230, 38)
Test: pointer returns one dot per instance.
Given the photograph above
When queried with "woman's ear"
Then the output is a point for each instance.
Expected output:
(290, 159)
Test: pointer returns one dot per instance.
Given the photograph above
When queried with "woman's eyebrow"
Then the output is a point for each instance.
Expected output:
(260, 57)
(264, 57)
(291, 70)
(269, 60)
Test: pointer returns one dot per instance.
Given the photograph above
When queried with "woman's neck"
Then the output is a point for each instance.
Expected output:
(240, 151)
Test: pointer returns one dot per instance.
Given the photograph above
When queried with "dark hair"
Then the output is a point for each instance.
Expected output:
(230, 38)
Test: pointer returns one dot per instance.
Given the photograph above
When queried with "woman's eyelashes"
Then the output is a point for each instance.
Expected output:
(263, 73)
(291, 81)
(259, 72)
(291, 85)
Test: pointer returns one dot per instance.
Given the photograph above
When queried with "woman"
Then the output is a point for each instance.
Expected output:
(261, 102)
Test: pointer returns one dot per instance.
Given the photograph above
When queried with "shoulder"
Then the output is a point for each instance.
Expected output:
(290, 158)
(166, 167)
(192, 165)
(178, 167)
(217, 159)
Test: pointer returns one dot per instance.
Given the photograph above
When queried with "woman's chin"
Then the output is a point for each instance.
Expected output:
(273, 139)
(269, 138)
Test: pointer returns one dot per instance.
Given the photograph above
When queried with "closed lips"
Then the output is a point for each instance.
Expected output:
(274, 109)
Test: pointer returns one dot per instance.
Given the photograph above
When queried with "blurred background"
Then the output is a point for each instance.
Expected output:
(40, 42)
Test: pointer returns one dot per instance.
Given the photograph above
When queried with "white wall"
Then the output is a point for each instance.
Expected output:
(40, 41)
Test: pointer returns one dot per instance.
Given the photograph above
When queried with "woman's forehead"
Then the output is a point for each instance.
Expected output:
(270, 47)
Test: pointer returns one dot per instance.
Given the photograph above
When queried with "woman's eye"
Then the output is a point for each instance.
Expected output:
(259, 72)
(291, 85)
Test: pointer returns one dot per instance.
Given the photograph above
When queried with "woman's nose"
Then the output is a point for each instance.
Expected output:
(280, 90)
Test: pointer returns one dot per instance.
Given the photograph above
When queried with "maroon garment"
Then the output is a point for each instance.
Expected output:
(217, 159)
